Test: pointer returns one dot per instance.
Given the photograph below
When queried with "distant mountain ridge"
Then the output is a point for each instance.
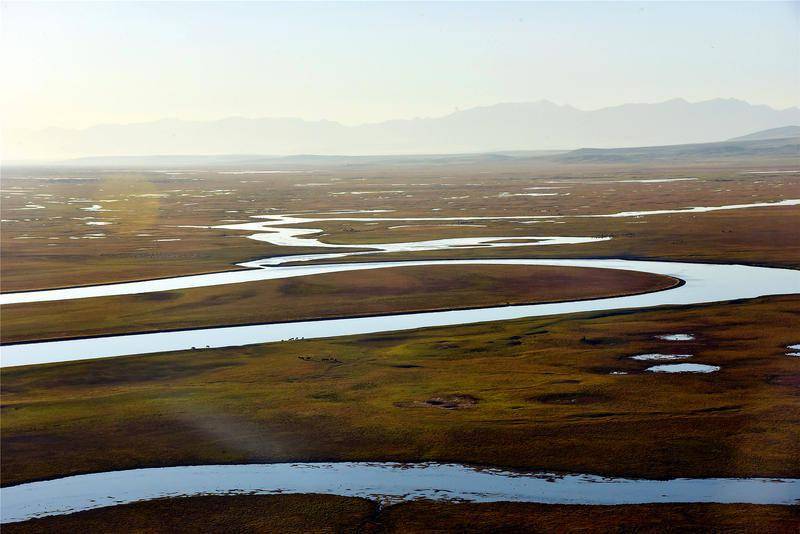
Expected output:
(773, 133)
(782, 142)
(782, 148)
(501, 127)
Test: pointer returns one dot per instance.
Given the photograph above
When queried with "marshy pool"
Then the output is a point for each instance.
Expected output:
(683, 368)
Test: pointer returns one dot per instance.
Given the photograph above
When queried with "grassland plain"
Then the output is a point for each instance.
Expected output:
(402, 289)
(61, 244)
(328, 514)
(536, 394)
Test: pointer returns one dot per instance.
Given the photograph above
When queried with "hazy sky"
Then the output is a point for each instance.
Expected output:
(75, 65)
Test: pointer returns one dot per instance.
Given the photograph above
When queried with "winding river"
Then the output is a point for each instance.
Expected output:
(703, 283)
(385, 481)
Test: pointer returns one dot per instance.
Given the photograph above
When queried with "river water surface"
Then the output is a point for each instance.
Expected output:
(385, 481)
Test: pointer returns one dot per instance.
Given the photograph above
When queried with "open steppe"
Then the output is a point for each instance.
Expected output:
(558, 393)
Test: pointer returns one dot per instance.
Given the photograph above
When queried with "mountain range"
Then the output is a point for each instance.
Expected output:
(539, 125)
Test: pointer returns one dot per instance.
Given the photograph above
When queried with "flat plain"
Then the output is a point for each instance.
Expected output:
(558, 394)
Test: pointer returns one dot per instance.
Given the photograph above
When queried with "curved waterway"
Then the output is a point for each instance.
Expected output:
(264, 269)
(703, 283)
(385, 481)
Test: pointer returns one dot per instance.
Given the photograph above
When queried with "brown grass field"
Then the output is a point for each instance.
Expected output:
(329, 514)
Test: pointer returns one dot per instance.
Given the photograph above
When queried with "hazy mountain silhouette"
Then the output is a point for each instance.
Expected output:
(779, 149)
(514, 126)
(773, 133)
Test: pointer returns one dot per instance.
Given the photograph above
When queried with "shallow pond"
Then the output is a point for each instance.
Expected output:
(683, 368)
(677, 337)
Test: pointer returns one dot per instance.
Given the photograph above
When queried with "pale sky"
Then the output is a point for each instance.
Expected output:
(76, 65)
